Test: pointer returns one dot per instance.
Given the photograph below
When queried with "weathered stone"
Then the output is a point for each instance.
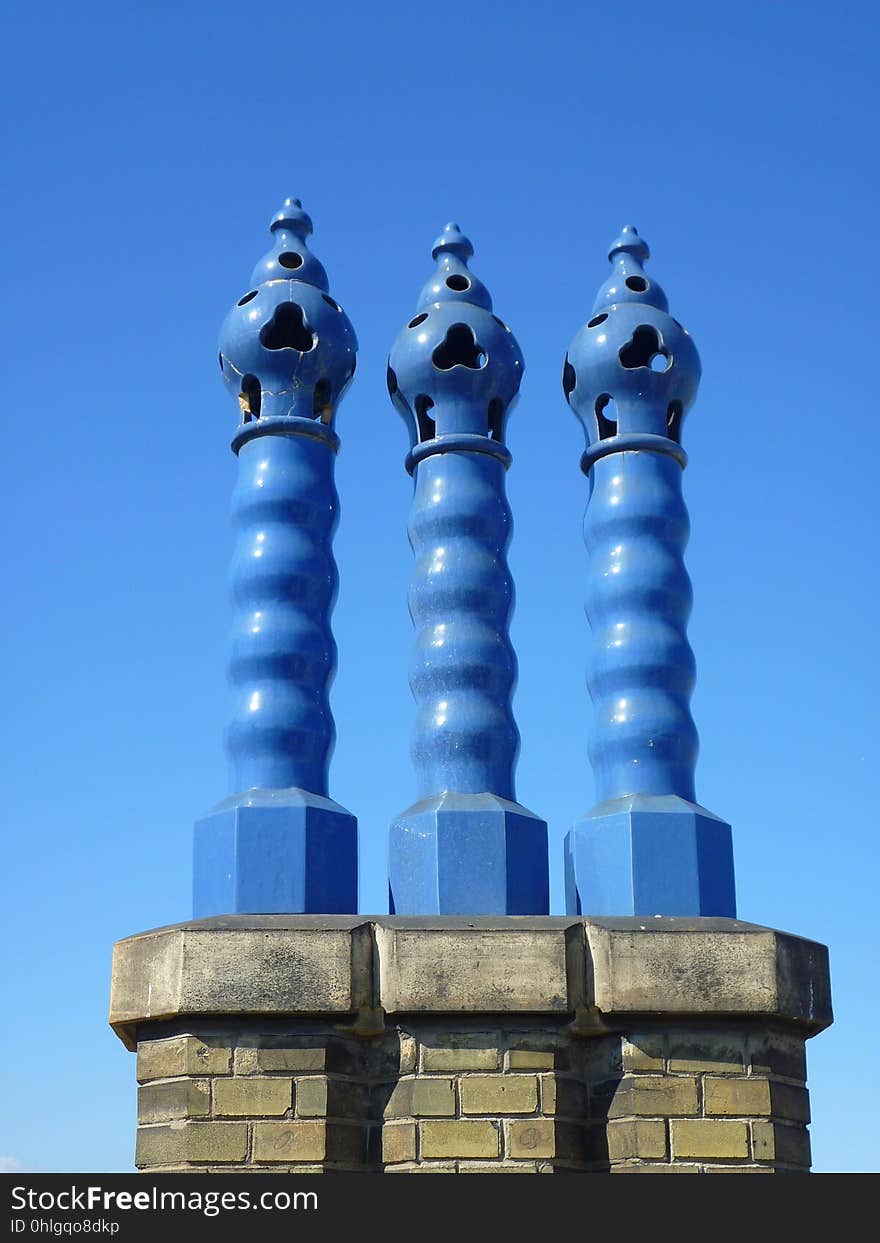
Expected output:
(246, 964)
(707, 966)
(468, 965)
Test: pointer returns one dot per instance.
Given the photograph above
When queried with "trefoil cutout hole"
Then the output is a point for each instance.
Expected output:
(459, 348)
(391, 381)
(250, 399)
(457, 283)
(569, 379)
(290, 260)
(643, 349)
(287, 330)
(597, 320)
(427, 428)
(674, 414)
(331, 302)
(248, 297)
(606, 416)
(419, 319)
(496, 419)
(321, 404)
(637, 284)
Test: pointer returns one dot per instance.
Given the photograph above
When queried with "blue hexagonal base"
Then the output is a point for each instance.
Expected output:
(275, 852)
(645, 855)
(468, 854)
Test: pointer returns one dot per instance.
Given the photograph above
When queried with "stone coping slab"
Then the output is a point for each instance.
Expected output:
(599, 971)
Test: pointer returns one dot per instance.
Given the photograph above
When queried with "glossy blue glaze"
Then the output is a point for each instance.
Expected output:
(630, 376)
(466, 847)
(287, 352)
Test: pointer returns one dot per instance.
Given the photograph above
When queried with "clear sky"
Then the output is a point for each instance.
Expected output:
(147, 147)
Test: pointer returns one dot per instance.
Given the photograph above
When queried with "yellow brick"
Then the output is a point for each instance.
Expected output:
(703, 1053)
(737, 1169)
(422, 1098)
(201, 1142)
(646, 1096)
(531, 1059)
(654, 1167)
(398, 1142)
(737, 1097)
(638, 1139)
(562, 1096)
(498, 1167)
(433, 1167)
(499, 1094)
(531, 1137)
(180, 1055)
(251, 1097)
(311, 1097)
(789, 1145)
(702, 1137)
(176, 1098)
(250, 1061)
(459, 1139)
(459, 1059)
(289, 1141)
(643, 1051)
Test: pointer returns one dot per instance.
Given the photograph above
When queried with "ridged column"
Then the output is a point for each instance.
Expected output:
(463, 667)
(466, 847)
(285, 510)
(647, 847)
(638, 600)
(279, 844)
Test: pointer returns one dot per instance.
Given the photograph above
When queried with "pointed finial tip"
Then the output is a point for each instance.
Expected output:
(291, 216)
(630, 242)
(453, 240)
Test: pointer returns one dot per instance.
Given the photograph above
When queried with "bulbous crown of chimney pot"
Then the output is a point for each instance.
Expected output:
(632, 368)
(287, 348)
(456, 367)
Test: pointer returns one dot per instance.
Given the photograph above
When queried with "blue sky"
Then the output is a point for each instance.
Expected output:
(148, 147)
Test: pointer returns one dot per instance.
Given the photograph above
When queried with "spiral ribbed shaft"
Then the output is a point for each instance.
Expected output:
(464, 668)
(285, 509)
(641, 673)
